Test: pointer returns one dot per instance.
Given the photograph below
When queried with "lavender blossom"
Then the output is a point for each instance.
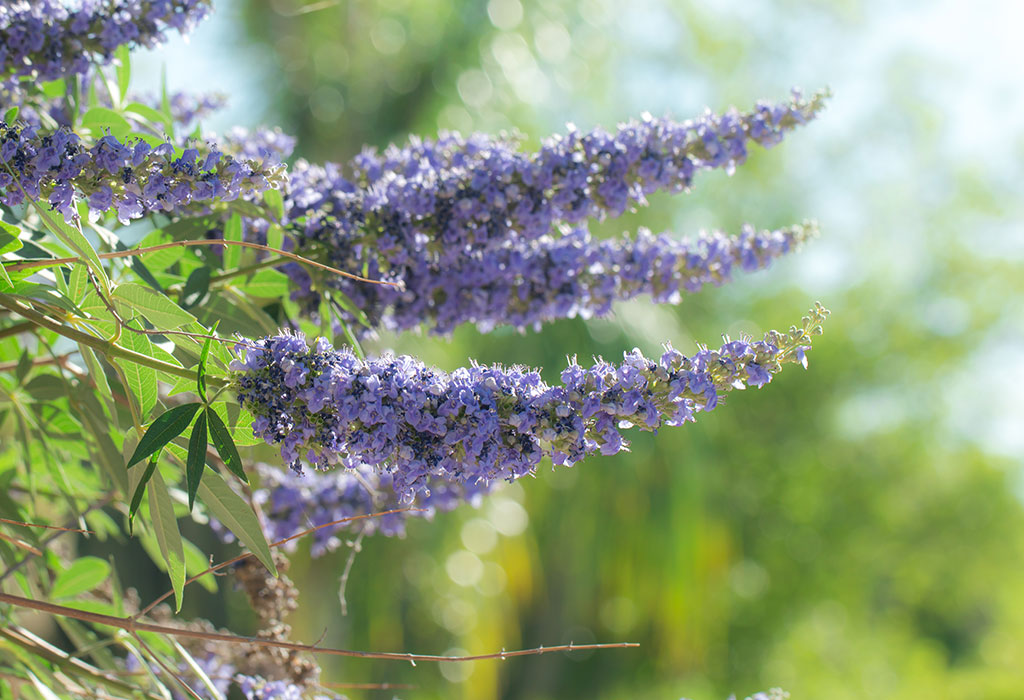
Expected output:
(527, 283)
(132, 177)
(447, 197)
(294, 502)
(480, 206)
(478, 424)
(48, 39)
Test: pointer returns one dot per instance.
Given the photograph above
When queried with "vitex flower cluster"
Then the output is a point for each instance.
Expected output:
(48, 39)
(478, 425)
(132, 178)
(528, 283)
(418, 213)
(294, 502)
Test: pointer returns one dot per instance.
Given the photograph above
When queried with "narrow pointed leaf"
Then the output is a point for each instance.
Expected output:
(221, 437)
(165, 525)
(164, 429)
(233, 232)
(237, 516)
(140, 488)
(196, 458)
(204, 356)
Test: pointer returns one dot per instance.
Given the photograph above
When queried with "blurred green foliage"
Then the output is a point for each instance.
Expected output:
(852, 531)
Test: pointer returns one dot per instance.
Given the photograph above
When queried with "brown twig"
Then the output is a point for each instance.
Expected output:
(60, 360)
(130, 625)
(21, 544)
(28, 264)
(143, 331)
(15, 329)
(46, 527)
(93, 506)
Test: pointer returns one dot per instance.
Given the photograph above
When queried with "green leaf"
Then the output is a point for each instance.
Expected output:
(275, 236)
(274, 200)
(196, 562)
(124, 70)
(164, 429)
(232, 232)
(77, 284)
(196, 458)
(11, 114)
(346, 303)
(41, 688)
(72, 237)
(154, 306)
(147, 113)
(267, 283)
(101, 119)
(197, 286)
(83, 575)
(55, 88)
(165, 525)
(212, 689)
(140, 488)
(201, 371)
(226, 446)
(46, 387)
(236, 515)
(141, 379)
(9, 238)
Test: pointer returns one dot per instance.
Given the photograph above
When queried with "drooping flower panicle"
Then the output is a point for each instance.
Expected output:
(417, 213)
(48, 39)
(131, 178)
(478, 425)
(294, 502)
(528, 283)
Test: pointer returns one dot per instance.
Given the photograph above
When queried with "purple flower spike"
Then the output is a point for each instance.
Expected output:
(49, 39)
(131, 177)
(478, 425)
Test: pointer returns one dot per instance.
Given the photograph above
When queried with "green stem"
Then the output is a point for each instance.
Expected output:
(104, 346)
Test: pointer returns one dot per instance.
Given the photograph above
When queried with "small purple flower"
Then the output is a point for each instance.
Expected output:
(478, 425)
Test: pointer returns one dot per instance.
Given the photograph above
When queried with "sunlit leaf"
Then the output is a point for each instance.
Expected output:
(84, 574)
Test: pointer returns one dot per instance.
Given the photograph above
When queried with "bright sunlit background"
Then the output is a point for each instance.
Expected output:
(851, 531)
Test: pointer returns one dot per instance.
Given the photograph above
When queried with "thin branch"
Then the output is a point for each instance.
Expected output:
(29, 264)
(46, 527)
(27, 640)
(23, 327)
(103, 346)
(166, 669)
(130, 625)
(246, 555)
(60, 360)
(143, 331)
(357, 546)
(21, 544)
(92, 506)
